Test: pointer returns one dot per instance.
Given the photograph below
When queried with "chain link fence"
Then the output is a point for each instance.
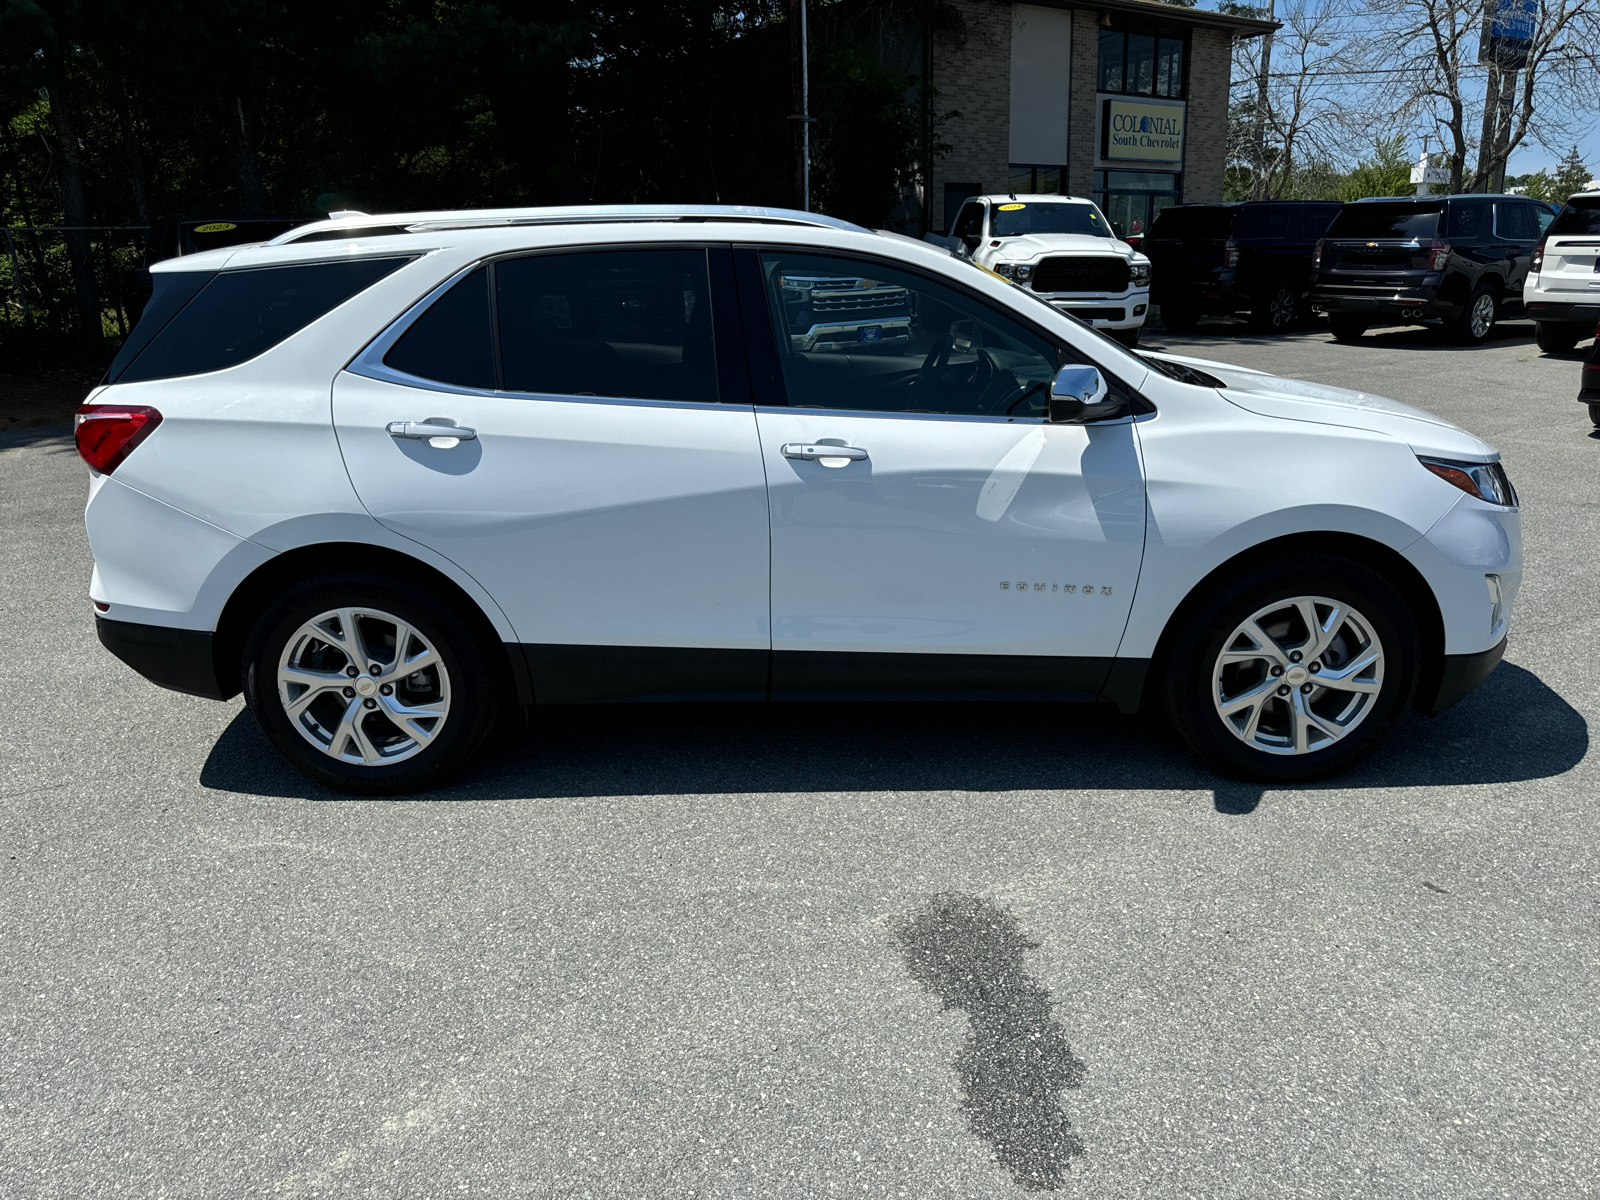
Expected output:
(43, 317)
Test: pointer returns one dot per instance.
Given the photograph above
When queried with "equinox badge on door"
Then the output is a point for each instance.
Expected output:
(1070, 588)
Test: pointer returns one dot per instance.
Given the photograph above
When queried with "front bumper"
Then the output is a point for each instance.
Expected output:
(1103, 312)
(179, 659)
(1461, 674)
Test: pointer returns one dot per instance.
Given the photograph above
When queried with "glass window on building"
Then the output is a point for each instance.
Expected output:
(1141, 58)
(1132, 200)
(1030, 179)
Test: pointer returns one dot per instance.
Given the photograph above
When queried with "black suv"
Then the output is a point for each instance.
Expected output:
(1457, 260)
(1220, 259)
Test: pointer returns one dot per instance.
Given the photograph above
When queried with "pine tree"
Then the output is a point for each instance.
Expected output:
(1570, 176)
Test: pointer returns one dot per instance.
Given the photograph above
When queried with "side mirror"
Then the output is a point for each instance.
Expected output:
(963, 337)
(972, 240)
(1080, 395)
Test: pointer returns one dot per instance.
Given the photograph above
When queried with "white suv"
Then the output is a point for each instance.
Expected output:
(1562, 293)
(1062, 249)
(389, 475)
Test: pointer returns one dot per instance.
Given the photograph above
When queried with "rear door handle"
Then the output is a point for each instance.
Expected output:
(433, 427)
(811, 451)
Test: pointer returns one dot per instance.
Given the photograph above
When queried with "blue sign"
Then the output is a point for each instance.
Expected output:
(1509, 33)
(872, 333)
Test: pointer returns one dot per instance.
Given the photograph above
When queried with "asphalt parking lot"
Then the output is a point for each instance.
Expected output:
(925, 951)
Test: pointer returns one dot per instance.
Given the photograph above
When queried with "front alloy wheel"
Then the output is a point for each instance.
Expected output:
(1298, 675)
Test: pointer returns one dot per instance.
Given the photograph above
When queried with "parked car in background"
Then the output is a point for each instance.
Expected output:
(1562, 294)
(1457, 262)
(1062, 249)
(1221, 259)
(195, 233)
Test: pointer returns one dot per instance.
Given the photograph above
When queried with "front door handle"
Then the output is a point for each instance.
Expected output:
(811, 451)
(432, 428)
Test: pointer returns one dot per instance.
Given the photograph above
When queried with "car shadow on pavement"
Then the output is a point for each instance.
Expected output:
(1513, 728)
(1403, 337)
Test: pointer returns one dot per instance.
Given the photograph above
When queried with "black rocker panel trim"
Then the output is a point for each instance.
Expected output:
(863, 675)
(179, 659)
(610, 674)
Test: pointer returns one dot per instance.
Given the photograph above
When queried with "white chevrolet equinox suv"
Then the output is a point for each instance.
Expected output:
(389, 475)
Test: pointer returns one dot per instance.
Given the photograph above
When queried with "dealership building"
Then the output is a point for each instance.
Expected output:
(1124, 101)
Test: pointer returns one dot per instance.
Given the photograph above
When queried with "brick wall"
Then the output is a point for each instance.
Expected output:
(1205, 151)
(1085, 74)
(975, 78)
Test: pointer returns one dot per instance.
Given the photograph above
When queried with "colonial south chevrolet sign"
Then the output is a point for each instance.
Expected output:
(1142, 131)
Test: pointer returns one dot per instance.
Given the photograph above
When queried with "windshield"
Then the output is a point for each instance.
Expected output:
(1015, 219)
(1407, 221)
(1581, 215)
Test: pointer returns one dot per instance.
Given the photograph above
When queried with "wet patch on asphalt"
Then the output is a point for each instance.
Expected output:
(1016, 1062)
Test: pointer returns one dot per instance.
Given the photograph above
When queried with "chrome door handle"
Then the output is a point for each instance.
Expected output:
(433, 427)
(811, 451)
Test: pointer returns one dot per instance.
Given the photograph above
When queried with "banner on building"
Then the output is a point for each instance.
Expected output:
(1142, 131)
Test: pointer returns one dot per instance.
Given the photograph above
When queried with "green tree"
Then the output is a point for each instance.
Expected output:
(1386, 173)
(1571, 176)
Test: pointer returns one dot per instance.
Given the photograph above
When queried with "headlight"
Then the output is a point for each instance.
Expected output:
(1486, 481)
(1139, 272)
(1021, 272)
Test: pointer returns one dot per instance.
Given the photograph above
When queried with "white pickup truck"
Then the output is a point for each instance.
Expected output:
(1061, 248)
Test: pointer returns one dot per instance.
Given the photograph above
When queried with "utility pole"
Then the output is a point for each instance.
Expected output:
(800, 98)
(1258, 180)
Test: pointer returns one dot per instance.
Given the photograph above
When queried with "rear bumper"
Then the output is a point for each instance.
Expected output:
(1397, 306)
(1212, 297)
(1462, 673)
(1564, 312)
(179, 659)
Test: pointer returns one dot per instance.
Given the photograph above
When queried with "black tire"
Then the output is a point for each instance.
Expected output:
(1556, 338)
(1193, 653)
(1275, 310)
(467, 685)
(1594, 412)
(1180, 318)
(1465, 329)
(1128, 337)
(1345, 328)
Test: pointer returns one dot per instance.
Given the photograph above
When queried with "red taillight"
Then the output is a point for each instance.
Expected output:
(1538, 258)
(107, 433)
(1316, 255)
(1230, 254)
(1438, 255)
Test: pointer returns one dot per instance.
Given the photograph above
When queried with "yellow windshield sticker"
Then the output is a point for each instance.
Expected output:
(215, 227)
(1011, 207)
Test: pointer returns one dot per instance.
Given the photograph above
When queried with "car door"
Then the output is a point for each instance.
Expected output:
(969, 227)
(609, 493)
(1516, 233)
(931, 532)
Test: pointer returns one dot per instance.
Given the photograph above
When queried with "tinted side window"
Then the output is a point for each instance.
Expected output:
(1468, 219)
(869, 337)
(970, 221)
(241, 314)
(1544, 216)
(1513, 221)
(1267, 221)
(630, 323)
(1315, 219)
(450, 341)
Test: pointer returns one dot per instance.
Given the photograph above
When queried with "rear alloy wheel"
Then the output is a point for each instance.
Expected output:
(1295, 672)
(1180, 318)
(1473, 326)
(1345, 328)
(368, 687)
(1275, 311)
(1556, 338)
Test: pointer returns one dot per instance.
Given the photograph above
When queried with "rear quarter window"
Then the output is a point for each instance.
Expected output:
(240, 314)
(1581, 216)
(1268, 222)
